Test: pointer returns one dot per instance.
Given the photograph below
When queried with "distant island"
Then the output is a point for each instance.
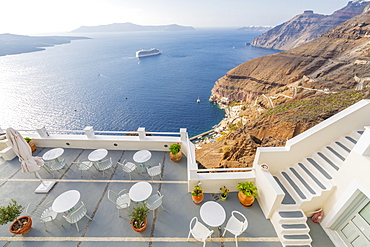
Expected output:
(11, 44)
(129, 27)
(255, 28)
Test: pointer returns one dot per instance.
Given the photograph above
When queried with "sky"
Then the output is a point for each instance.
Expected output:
(52, 16)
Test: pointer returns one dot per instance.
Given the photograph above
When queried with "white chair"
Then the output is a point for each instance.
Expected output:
(55, 165)
(121, 199)
(154, 202)
(199, 231)
(104, 165)
(43, 213)
(155, 171)
(76, 215)
(83, 165)
(236, 226)
(127, 167)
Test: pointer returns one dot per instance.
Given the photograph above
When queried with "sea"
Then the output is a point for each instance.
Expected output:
(99, 82)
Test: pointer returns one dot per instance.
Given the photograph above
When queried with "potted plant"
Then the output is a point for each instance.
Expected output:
(197, 194)
(175, 152)
(224, 192)
(10, 213)
(247, 193)
(139, 220)
(31, 143)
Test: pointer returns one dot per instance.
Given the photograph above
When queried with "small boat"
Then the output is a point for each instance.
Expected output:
(198, 100)
(147, 53)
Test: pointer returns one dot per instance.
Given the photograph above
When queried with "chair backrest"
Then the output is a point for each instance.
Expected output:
(124, 167)
(155, 169)
(77, 214)
(112, 196)
(243, 224)
(105, 164)
(154, 201)
(35, 210)
(199, 231)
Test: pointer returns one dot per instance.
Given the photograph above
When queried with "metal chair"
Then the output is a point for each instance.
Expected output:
(55, 165)
(155, 171)
(236, 226)
(43, 213)
(104, 165)
(154, 202)
(83, 165)
(127, 167)
(76, 215)
(199, 231)
(121, 199)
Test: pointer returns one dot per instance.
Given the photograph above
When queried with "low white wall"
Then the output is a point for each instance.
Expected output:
(270, 195)
(212, 182)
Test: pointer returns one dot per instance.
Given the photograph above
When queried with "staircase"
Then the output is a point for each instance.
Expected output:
(306, 185)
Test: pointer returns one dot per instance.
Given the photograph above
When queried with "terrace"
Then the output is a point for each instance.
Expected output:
(169, 227)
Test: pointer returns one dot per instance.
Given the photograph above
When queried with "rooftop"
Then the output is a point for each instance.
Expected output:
(169, 227)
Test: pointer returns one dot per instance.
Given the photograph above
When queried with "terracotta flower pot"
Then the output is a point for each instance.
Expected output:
(198, 199)
(245, 201)
(26, 227)
(176, 157)
(223, 198)
(140, 229)
(32, 145)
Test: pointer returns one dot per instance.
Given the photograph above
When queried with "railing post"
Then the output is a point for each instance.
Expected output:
(141, 131)
(362, 146)
(42, 132)
(89, 131)
(183, 135)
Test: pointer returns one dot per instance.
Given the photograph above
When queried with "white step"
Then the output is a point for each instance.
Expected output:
(292, 217)
(310, 180)
(309, 194)
(346, 142)
(323, 163)
(340, 148)
(296, 241)
(293, 193)
(322, 175)
(337, 161)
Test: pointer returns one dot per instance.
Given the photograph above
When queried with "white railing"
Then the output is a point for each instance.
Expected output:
(355, 117)
(212, 179)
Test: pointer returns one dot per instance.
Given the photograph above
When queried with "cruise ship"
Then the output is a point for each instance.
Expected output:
(326, 167)
(147, 53)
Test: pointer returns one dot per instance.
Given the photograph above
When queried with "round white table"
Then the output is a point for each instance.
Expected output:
(140, 191)
(53, 154)
(66, 201)
(212, 213)
(142, 156)
(97, 154)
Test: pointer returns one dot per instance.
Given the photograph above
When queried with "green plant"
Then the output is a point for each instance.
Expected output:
(224, 191)
(138, 216)
(175, 148)
(28, 139)
(248, 189)
(10, 212)
(197, 191)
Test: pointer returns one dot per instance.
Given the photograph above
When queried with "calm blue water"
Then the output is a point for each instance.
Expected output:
(60, 88)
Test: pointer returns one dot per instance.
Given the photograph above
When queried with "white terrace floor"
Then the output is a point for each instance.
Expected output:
(170, 227)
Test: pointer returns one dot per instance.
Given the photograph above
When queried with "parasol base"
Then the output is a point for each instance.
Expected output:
(45, 187)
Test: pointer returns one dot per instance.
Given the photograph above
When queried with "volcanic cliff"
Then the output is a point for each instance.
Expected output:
(306, 27)
(284, 94)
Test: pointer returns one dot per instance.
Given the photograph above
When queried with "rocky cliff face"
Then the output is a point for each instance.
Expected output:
(306, 27)
(287, 93)
(331, 62)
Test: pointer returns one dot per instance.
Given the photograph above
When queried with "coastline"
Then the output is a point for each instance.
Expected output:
(220, 129)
